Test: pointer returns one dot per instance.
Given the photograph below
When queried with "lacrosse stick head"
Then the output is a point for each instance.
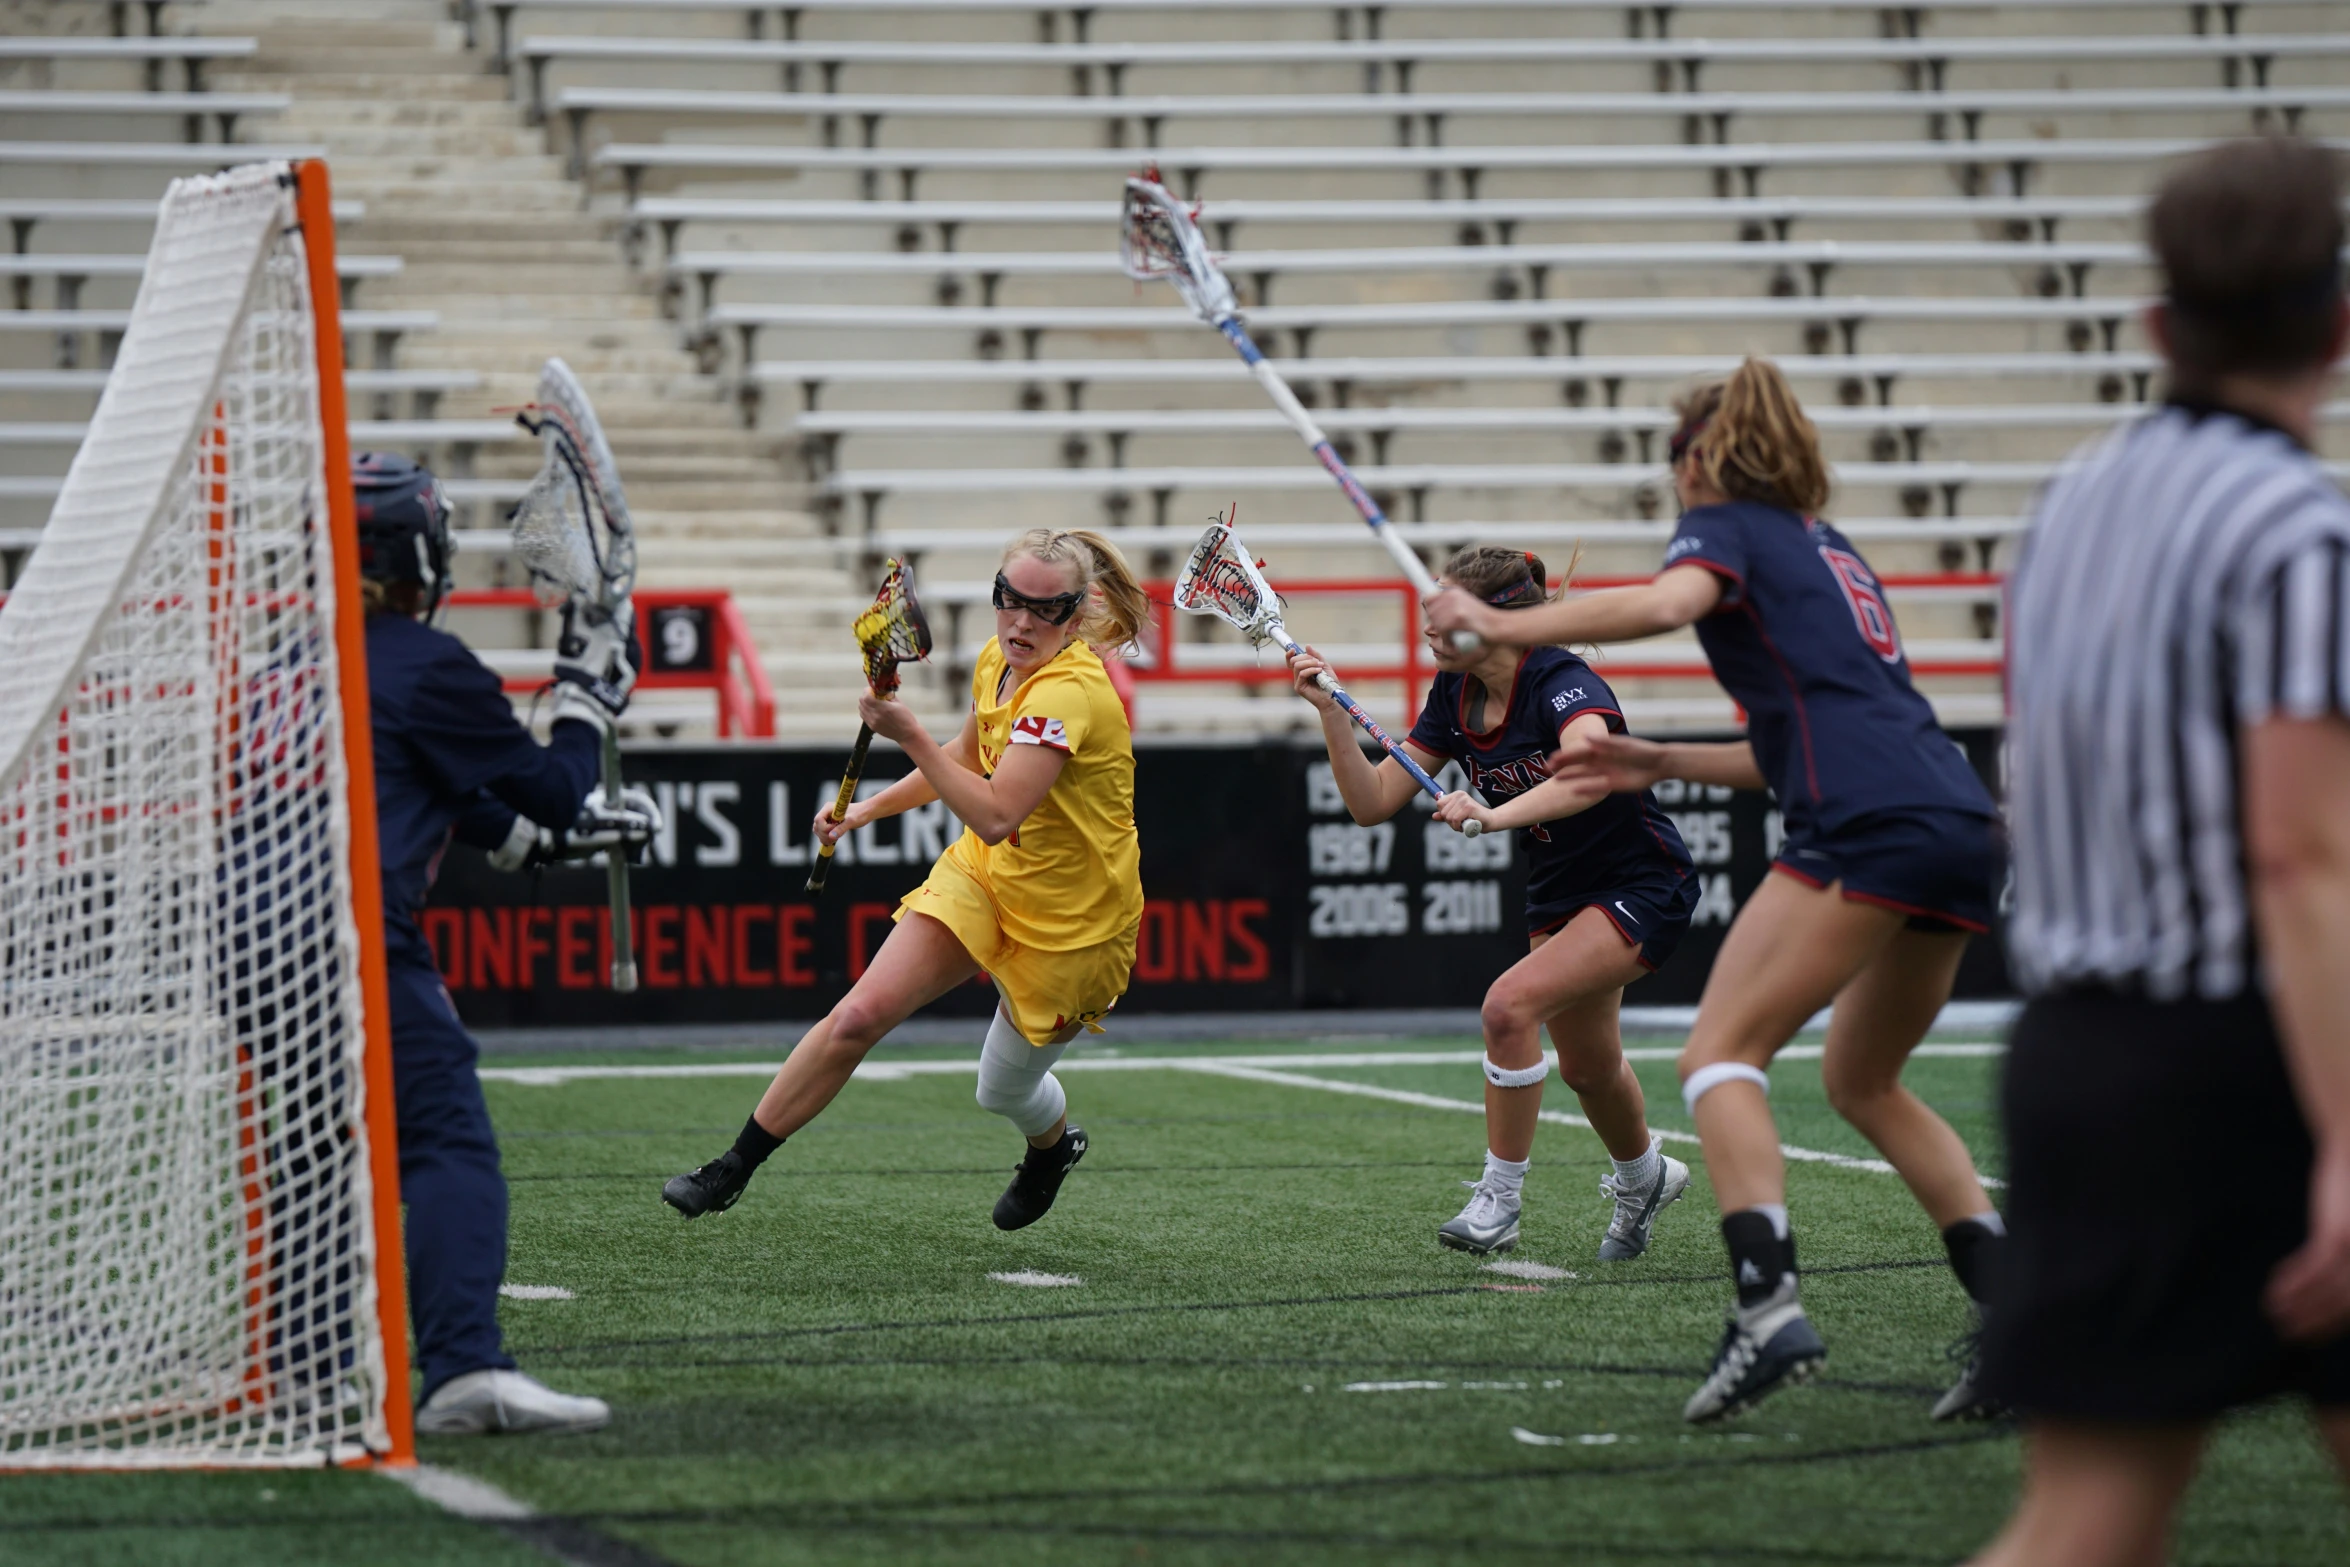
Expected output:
(1159, 240)
(893, 631)
(1221, 579)
(571, 527)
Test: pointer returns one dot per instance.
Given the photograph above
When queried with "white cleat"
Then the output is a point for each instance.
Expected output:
(1636, 1211)
(1764, 1348)
(1488, 1224)
(482, 1401)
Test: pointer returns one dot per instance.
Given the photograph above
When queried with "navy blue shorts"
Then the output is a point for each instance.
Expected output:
(1651, 915)
(1941, 868)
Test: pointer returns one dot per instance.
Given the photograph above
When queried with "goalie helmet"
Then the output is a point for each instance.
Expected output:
(403, 524)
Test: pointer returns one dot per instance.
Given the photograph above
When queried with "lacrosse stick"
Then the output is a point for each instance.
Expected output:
(1160, 239)
(891, 633)
(572, 534)
(1221, 580)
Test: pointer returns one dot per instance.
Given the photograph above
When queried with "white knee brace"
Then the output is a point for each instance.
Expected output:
(1516, 1077)
(1706, 1079)
(1016, 1079)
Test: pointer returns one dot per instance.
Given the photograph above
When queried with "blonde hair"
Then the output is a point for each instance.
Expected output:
(1751, 439)
(1116, 609)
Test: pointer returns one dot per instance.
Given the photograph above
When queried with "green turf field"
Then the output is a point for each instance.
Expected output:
(1268, 1357)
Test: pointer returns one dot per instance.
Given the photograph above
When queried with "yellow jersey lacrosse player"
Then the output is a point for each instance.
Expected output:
(1042, 893)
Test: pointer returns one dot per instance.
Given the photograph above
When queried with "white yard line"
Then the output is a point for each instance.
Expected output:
(461, 1494)
(895, 1071)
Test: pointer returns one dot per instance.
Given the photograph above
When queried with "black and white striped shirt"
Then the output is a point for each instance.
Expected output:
(2184, 576)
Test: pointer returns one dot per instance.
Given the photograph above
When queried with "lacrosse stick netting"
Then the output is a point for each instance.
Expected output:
(891, 632)
(1159, 241)
(573, 535)
(1221, 579)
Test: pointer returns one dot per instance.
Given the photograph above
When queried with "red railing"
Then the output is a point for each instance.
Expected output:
(724, 660)
(1413, 668)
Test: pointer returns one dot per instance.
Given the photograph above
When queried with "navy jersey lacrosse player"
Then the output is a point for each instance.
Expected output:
(1609, 891)
(1621, 855)
(452, 761)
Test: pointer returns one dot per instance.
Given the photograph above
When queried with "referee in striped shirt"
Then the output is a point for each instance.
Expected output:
(2177, 1094)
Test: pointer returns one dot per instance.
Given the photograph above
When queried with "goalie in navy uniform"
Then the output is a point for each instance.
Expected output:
(452, 760)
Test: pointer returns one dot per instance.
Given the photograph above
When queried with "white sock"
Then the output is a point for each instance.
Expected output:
(1634, 1174)
(1776, 1212)
(1506, 1176)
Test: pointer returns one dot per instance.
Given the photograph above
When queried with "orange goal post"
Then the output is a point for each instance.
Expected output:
(199, 1186)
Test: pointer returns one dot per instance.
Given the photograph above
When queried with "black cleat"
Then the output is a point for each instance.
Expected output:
(1036, 1181)
(1968, 1399)
(1764, 1348)
(714, 1188)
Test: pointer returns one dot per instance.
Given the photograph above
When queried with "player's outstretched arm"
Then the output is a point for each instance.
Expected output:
(1372, 793)
(903, 795)
(2297, 840)
(1547, 801)
(993, 807)
(1677, 596)
(1620, 764)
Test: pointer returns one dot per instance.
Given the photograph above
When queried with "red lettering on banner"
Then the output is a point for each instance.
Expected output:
(705, 947)
(793, 944)
(529, 945)
(444, 932)
(571, 946)
(1154, 947)
(862, 915)
(487, 935)
(660, 946)
(1255, 963)
(745, 975)
(1203, 939)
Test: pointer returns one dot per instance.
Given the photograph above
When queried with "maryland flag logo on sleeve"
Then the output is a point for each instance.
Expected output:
(1040, 731)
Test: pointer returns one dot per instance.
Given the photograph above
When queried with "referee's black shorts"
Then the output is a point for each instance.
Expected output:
(2158, 1170)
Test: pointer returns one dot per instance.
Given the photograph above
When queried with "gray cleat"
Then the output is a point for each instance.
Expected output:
(1636, 1211)
(1967, 1398)
(1488, 1224)
(1765, 1348)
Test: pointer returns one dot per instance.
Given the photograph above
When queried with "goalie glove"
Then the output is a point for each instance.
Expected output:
(596, 661)
(629, 828)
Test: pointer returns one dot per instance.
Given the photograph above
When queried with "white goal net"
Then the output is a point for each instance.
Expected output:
(187, 1252)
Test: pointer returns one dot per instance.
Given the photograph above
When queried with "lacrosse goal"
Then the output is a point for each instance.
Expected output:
(199, 1221)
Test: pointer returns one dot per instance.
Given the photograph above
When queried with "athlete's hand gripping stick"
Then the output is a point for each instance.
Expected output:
(1221, 579)
(892, 632)
(1160, 239)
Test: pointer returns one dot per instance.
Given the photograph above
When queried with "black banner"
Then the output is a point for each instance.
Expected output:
(1261, 895)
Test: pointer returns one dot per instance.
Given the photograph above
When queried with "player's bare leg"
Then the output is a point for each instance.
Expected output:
(921, 961)
(1880, 1017)
(1790, 951)
(1572, 979)
(2098, 1496)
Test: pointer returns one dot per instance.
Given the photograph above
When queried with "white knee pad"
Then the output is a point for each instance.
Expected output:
(1016, 1079)
(1706, 1079)
(1516, 1077)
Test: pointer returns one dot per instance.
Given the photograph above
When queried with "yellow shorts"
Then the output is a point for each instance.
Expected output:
(1046, 994)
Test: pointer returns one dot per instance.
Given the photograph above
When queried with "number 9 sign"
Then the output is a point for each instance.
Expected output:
(680, 638)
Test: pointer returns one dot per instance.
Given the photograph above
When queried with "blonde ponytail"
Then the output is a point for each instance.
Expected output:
(1751, 439)
(1116, 608)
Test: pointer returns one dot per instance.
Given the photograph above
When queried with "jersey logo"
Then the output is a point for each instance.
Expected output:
(1040, 731)
(1558, 704)
(1869, 611)
(1682, 546)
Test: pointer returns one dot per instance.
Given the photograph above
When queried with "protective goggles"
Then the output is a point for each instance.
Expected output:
(1054, 611)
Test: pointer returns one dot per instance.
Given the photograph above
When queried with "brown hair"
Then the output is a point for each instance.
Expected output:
(1751, 439)
(2249, 234)
(1509, 578)
(1116, 608)
(391, 598)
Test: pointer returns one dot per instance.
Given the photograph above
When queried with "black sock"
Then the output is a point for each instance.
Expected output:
(754, 1143)
(1974, 1249)
(1759, 1256)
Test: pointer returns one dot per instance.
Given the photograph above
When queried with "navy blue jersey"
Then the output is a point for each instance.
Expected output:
(1805, 642)
(1620, 840)
(449, 753)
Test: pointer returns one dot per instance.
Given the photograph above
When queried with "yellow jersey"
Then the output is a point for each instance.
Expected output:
(1070, 876)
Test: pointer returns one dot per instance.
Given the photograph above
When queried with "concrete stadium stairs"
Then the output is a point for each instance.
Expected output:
(494, 238)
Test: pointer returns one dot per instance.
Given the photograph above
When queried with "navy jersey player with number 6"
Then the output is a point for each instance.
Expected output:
(1891, 859)
(1609, 891)
(451, 760)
